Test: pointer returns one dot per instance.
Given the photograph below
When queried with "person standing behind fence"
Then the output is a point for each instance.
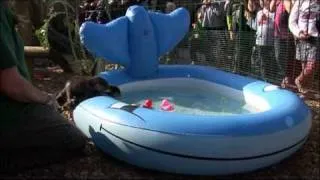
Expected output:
(251, 15)
(304, 23)
(264, 40)
(242, 35)
(197, 40)
(213, 21)
(283, 40)
(213, 15)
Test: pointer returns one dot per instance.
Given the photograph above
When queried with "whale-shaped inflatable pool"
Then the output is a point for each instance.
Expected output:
(275, 126)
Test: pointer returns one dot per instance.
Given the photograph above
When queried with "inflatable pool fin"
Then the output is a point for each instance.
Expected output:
(108, 41)
(170, 28)
(136, 40)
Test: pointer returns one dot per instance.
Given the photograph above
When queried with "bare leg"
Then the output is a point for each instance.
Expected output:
(299, 79)
(285, 82)
(308, 69)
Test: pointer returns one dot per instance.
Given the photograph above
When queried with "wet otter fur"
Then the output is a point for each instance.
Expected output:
(76, 91)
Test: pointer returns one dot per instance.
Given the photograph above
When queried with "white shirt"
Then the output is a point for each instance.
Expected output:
(213, 15)
(265, 28)
(303, 17)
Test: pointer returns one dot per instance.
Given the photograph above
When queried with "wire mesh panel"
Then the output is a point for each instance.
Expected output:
(240, 50)
(247, 37)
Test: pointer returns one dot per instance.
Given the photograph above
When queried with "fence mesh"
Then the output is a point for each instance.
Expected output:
(232, 51)
(240, 56)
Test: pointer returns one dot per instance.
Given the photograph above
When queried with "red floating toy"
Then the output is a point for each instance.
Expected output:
(147, 104)
(166, 105)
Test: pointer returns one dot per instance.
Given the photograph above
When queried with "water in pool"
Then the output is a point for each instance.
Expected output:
(188, 97)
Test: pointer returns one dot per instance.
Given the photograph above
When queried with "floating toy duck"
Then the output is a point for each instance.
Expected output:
(147, 104)
(166, 105)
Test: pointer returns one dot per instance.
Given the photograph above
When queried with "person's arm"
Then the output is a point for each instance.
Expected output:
(287, 5)
(273, 5)
(226, 4)
(293, 19)
(13, 85)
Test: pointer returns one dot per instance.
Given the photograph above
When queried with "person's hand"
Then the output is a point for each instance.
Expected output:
(231, 34)
(264, 17)
(52, 101)
(226, 4)
(247, 15)
(303, 35)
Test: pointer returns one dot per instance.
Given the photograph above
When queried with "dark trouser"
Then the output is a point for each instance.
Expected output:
(197, 46)
(214, 45)
(284, 55)
(244, 41)
(209, 46)
(221, 49)
(41, 136)
(266, 58)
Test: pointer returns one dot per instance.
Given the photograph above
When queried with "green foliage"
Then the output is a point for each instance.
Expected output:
(70, 8)
(41, 34)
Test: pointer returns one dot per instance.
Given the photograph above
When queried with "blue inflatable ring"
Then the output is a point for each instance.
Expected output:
(190, 144)
(176, 142)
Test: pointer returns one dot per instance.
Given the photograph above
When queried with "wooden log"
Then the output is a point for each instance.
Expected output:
(36, 51)
(32, 52)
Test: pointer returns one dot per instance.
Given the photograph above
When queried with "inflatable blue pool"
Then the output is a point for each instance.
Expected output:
(264, 123)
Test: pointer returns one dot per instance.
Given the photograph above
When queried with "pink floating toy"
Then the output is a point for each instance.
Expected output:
(147, 103)
(166, 105)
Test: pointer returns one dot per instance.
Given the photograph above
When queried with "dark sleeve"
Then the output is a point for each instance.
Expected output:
(7, 59)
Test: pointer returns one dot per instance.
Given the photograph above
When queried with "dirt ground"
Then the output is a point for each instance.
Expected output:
(302, 165)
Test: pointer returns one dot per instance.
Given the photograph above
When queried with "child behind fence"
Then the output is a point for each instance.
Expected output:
(283, 41)
(304, 23)
(264, 40)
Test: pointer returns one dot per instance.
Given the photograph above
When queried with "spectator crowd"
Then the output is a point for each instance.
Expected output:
(280, 34)
(268, 37)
